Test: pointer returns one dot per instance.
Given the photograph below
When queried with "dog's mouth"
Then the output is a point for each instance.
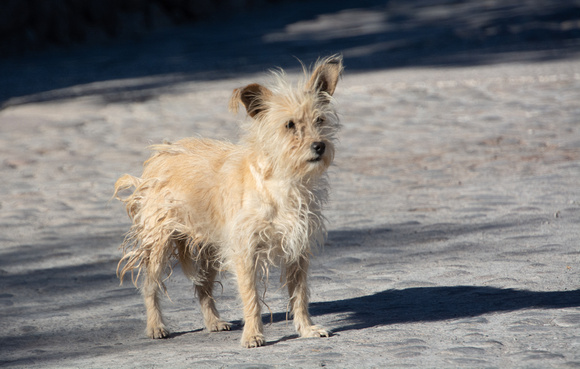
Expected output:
(316, 159)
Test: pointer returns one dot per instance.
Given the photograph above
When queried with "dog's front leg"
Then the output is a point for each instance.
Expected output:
(297, 281)
(253, 328)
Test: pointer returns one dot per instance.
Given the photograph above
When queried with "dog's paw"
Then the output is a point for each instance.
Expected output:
(314, 331)
(253, 341)
(157, 332)
(218, 326)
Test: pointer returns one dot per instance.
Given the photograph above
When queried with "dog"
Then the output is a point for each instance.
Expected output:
(212, 205)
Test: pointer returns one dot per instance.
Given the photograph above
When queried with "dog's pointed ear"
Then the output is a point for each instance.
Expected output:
(253, 97)
(326, 75)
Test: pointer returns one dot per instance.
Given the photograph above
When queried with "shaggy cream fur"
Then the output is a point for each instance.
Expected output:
(214, 205)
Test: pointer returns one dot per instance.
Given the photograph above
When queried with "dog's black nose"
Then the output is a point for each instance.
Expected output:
(318, 148)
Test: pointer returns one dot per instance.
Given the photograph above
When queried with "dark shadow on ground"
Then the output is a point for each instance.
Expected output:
(403, 244)
(371, 34)
(429, 304)
(424, 304)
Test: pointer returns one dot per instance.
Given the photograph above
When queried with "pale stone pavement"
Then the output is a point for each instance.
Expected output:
(454, 220)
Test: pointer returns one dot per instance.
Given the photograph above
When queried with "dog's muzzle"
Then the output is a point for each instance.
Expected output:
(318, 148)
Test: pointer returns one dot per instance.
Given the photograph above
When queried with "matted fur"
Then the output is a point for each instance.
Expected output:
(213, 205)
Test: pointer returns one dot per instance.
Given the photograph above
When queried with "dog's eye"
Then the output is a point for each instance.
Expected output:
(290, 125)
(319, 120)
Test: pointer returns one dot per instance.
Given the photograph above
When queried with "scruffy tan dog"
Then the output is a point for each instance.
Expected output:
(214, 205)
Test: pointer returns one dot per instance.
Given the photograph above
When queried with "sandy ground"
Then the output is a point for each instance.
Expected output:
(454, 223)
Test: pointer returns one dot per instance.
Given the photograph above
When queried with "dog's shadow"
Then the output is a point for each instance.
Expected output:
(420, 304)
(428, 304)
(182, 333)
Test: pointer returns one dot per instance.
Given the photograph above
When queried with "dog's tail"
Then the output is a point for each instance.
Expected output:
(124, 183)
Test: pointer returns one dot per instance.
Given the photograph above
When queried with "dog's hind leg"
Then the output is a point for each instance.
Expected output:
(156, 267)
(202, 271)
(204, 291)
(297, 281)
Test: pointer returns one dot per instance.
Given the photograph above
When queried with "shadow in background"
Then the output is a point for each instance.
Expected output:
(371, 35)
